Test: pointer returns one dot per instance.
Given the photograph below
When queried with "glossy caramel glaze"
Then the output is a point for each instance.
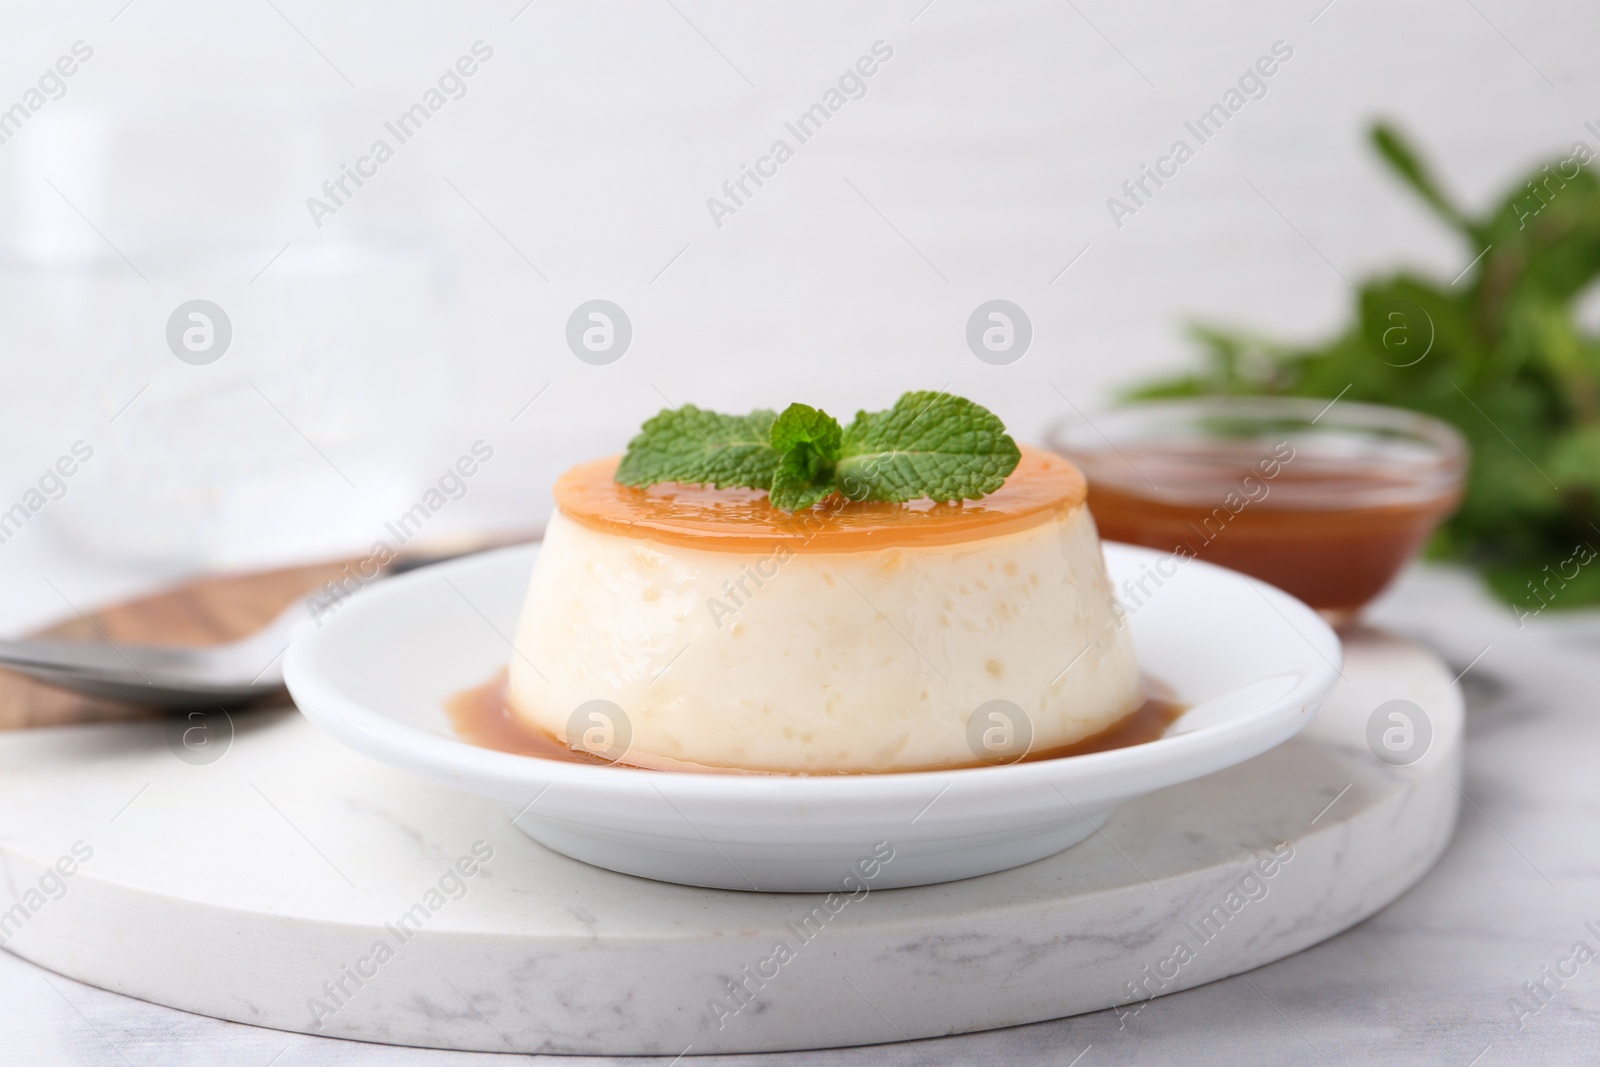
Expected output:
(1042, 487)
(482, 716)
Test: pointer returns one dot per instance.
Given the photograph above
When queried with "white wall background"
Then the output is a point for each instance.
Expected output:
(374, 350)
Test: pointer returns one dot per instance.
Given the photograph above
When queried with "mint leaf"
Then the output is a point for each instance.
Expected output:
(928, 445)
(809, 441)
(801, 424)
(1407, 163)
(796, 486)
(698, 447)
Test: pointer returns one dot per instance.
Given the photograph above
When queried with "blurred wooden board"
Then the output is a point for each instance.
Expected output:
(206, 611)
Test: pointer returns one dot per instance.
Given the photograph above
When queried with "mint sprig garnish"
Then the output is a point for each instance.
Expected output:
(929, 445)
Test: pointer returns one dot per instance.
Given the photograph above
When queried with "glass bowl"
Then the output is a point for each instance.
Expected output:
(1326, 500)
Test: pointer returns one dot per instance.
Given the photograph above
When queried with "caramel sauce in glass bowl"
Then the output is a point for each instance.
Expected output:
(1325, 500)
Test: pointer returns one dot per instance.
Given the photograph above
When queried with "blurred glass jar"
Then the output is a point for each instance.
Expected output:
(1325, 500)
(332, 405)
(321, 420)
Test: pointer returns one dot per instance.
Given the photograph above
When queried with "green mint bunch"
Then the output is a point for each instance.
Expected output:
(1503, 350)
(929, 445)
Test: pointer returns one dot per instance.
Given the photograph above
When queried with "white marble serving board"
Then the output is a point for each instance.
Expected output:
(257, 888)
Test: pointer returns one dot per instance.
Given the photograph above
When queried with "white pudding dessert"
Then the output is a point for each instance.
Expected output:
(847, 638)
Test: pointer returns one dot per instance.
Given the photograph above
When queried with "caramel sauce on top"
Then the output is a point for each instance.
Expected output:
(482, 716)
(1043, 486)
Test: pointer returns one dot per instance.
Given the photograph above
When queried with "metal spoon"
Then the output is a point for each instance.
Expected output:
(241, 672)
(232, 675)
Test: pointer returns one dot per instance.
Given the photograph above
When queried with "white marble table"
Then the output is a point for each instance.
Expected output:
(1430, 979)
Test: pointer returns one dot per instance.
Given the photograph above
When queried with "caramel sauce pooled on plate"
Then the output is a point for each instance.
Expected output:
(482, 716)
(1042, 487)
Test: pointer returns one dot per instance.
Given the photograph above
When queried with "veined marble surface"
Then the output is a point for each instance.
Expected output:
(296, 885)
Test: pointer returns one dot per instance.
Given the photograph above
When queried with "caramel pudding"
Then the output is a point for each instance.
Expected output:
(850, 637)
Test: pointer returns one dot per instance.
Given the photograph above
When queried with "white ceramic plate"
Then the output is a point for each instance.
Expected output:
(1254, 664)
